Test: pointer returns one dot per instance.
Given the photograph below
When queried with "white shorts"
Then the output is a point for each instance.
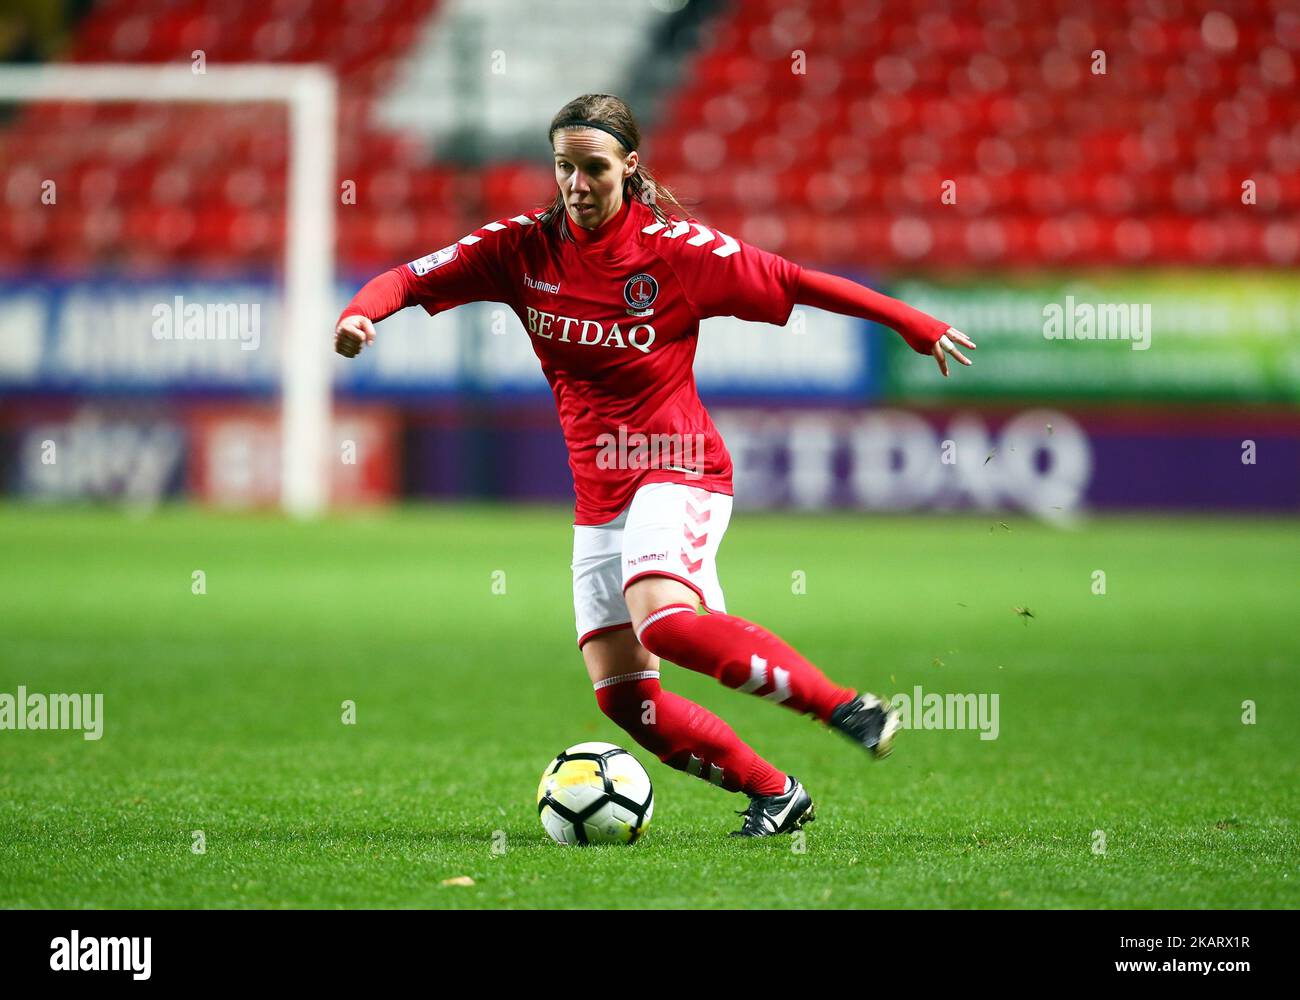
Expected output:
(669, 529)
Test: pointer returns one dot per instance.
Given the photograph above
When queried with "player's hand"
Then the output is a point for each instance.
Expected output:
(946, 344)
(352, 334)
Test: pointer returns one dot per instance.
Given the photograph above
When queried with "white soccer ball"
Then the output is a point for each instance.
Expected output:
(595, 793)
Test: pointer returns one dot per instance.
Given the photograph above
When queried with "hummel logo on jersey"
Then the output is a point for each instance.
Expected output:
(541, 286)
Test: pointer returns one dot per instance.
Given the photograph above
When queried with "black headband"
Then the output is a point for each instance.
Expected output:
(583, 123)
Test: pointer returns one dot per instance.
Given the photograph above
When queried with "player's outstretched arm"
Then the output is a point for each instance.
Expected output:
(923, 333)
(378, 299)
(473, 269)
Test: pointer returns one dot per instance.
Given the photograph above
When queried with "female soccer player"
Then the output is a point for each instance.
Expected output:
(611, 289)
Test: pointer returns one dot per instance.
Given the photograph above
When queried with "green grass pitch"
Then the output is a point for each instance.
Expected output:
(1120, 714)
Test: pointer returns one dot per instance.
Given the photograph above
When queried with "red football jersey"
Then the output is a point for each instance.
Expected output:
(614, 317)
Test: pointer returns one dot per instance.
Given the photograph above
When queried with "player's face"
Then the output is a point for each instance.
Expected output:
(590, 170)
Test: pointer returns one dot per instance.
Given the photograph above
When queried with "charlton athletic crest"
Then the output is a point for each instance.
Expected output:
(639, 293)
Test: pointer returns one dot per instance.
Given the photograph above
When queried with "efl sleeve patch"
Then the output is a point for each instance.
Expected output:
(434, 261)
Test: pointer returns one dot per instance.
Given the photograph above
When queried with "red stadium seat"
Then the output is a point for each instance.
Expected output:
(1053, 163)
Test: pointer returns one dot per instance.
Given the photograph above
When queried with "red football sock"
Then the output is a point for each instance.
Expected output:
(741, 655)
(685, 735)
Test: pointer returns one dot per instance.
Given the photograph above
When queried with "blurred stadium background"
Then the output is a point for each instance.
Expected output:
(979, 159)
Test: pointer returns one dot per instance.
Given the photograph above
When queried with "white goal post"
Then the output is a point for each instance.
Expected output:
(310, 92)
